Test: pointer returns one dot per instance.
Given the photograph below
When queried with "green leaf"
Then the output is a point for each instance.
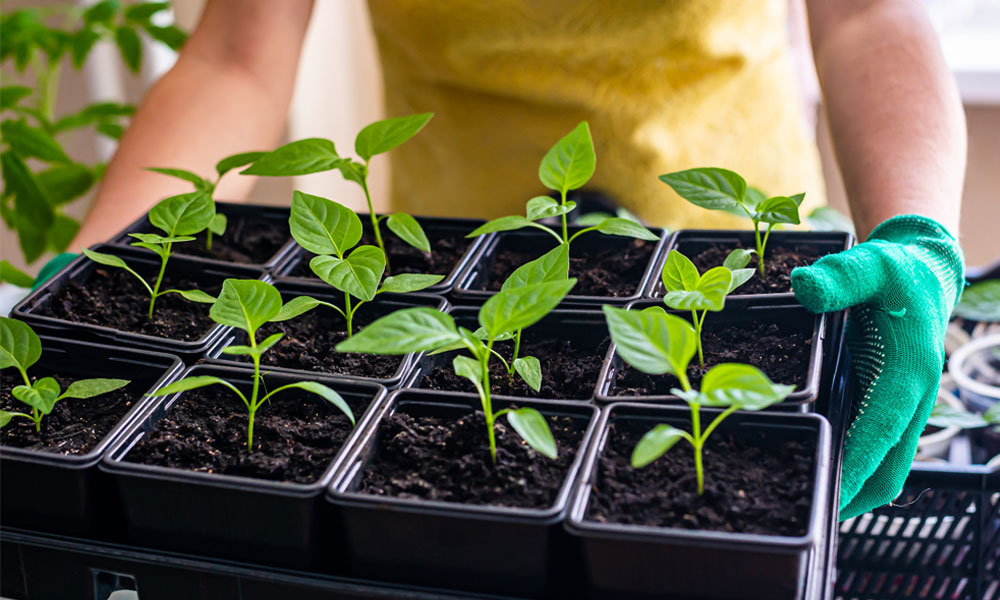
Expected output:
(753, 198)
(296, 306)
(531, 426)
(404, 331)
(469, 369)
(530, 371)
(102, 12)
(19, 345)
(246, 304)
(992, 414)
(651, 340)
(170, 35)
(269, 341)
(626, 228)
(541, 207)
(144, 10)
(11, 274)
(744, 386)
(192, 383)
(382, 136)
(62, 233)
(570, 162)
(551, 266)
(409, 230)
(655, 444)
(825, 218)
(711, 188)
(12, 94)
(130, 47)
(779, 209)
(34, 212)
(946, 415)
(88, 388)
(709, 294)
(737, 259)
(63, 183)
(184, 214)
(980, 301)
(195, 296)
(353, 171)
(302, 157)
(155, 238)
(740, 276)
(43, 394)
(235, 161)
(358, 274)
(82, 43)
(592, 218)
(798, 198)
(323, 392)
(409, 282)
(679, 273)
(218, 224)
(5, 417)
(199, 182)
(508, 223)
(520, 308)
(322, 226)
(109, 260)
(111, 130)
(28, 141)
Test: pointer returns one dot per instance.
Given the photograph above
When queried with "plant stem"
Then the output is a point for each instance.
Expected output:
(696, 434)
(517, 349)
(484, 364)
(37, 418)
(697, 331)
(253, 394)
(348, 314)
(208, 240)
(159, 279)
(374, 219)
(760, 248)
(565, 230)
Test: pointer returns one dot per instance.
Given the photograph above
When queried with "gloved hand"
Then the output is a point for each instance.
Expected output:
(901, 284)
(55, 264)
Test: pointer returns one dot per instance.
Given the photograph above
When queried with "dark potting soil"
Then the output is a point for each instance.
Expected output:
(783, 355)
(114, 298)
(247, 240)
(448, 459)
(607, 272)
(75, 425)
(296, 435)
(751, 485)
(569, 370)
(778, 265)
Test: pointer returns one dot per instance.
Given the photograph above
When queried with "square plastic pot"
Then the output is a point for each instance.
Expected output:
(276, 214)
(227, 516)
(629, 561)
(691, 242)
(737, 310)
(433, 226)
(582, 326)
(500, 550)
(389, 302)
(147, 264)
(66, 493)
(472, 286)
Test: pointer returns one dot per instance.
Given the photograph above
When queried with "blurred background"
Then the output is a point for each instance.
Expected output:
(339, 90)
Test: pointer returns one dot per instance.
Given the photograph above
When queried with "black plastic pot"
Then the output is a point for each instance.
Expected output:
(474, 547)
(290, 269)
(226, 516)
(582, 326)
(788, 316)
(473, 285)
(626, 561)
(232, 210)
(64, 493)
(147, 264)
(691, 242)
(386, 302)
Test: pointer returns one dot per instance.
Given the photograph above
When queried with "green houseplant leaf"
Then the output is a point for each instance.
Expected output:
(708, 187)
(404, 331)
(651, 340)
(358, 274)
(235, 161)
(551, 266)
(742, 386)
(531, 426)
(88, 388)
(184, 214)
(408, 230)
(246, 304)
(323, 226)
(519, 308)
(19, 345)
(980, 301)
(382, 136)
(708, 294)
(779, 209)
(654, 444)
(570, 162)
(301, 157)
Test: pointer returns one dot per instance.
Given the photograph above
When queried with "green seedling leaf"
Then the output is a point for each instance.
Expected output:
(199, 183)
(711, 188)
(509, 223)
(130, 47)
(530, 371)
(825, 218)
(531, 426)
(469, 369)
(541, 207)
(235, 161)
(409, 282)
(409, 230)
(11, 274)
(679, 273)
(28, 141)
(709, 294)
(10, 95)
(654, 444)
(740, 276)
(43, 394)
(753, 198)
(743, 386)
(551, 266)
(5, 417)
(592, 218)
(737, 259)
(404, 331)
(357, 275)
(520, 308)
(108, 260)
(798, 198)
(193, 383)
(101, 12)
(184, 214)
(779, 209)
(626, 228)
(353, 171)
(323, 392)
(218, 224)
(323, 226)
(946, 415)
(980, 301)
(301, 157)
(62, 233)
(297, 306)
(382, 136)
(570, 162)
(157, 239)
(144, 10)
(88, 388)
(246, 304)
(651, 340)
(169, 35)
(19, 345)
(63, 183)
(194, 296)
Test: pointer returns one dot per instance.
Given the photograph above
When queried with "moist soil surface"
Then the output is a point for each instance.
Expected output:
(783, 355)
(75, 425)
(752, 485)
(114, 298)
(448, 459)
(247, 240)
(569, 369)
(779, 262)
(613, 272)
(296, 435)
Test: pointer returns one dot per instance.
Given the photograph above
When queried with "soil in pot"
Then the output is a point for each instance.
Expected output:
(247, 240)
(447, 459)
(114, 298)
(751, 485)
(75, 425)
(779, 262)
(782, 354)
(295, 436)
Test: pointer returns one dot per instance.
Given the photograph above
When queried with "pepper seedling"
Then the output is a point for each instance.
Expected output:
(180, 218)
(20, 348)
(314, 155)
(428, 330)
(330, 230)
(567, 166)
(945, 415)
(219, 222)
(658, 343)
(720, 189)
(687, 290)
(247, 304)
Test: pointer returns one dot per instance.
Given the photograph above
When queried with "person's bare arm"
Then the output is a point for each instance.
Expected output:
(895, 115)
(229, 92)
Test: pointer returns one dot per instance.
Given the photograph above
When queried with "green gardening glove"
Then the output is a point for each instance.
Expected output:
(901, 284)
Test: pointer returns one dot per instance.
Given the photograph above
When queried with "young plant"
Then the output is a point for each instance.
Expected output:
(720, 189)
(218, 224)
(180, 218)
(314, 155)
(567, 166)
(20, 348)
(657, 343)
(426, 329)
(687, 290)
(945, 415)
(247, 304)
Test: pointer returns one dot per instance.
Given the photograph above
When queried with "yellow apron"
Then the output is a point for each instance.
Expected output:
(665, 85)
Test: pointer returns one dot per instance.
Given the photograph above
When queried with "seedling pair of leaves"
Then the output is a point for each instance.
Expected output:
(567, 166)
(428, 330)
(179, 218)
(657, 343)
(314, 155)
(945, 415)
(721, 189)
(20, 348)
(331, 230)
(247, 304)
